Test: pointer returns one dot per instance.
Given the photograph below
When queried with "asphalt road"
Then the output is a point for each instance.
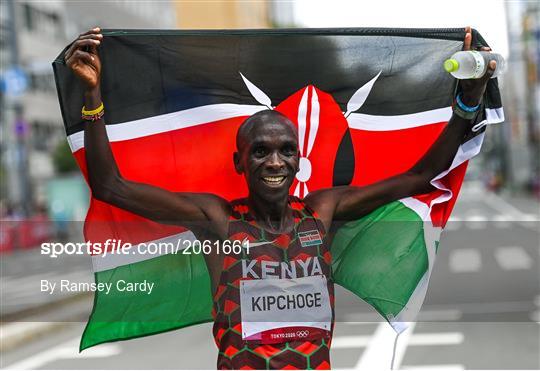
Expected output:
(482, 310)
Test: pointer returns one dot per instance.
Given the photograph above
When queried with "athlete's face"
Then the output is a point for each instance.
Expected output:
(268, 158)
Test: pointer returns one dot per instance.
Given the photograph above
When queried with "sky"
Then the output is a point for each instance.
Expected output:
(487, 16)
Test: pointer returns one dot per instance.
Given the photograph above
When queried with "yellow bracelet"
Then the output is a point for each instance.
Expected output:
(94, 111)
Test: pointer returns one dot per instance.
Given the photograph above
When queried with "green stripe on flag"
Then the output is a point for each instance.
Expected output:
(381, 257)
(181, 296)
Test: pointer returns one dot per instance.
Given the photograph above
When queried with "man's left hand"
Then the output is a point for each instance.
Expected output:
(473, 89)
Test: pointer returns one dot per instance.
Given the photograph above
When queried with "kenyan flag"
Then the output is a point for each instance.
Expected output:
(368, 104)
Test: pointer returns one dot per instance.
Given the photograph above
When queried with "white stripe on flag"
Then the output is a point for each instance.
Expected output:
(216, 112)
(494, 115)
(302, 115)
(140, 252)
(465, 152)
(362, 121)
(169, 122)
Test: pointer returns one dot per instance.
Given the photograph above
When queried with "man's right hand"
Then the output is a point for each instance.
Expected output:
(82, 57)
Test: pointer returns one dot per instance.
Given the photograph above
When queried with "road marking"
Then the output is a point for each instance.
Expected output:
(439, 315)
(513, 258)
(465, 260)
(526, 220)
(435, 367)
(491, 307)
(67, 350)
(426, 315)
(437, 338)
(502, 221)
(378, 353)
(426, 339)
(476, 221)
(341, 342)
(454, 223)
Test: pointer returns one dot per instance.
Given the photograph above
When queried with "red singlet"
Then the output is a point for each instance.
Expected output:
(289, 257)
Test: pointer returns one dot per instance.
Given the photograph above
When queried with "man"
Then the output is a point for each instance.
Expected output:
(275, 299)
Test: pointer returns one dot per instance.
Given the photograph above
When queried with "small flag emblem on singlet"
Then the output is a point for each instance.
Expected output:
(310, 238)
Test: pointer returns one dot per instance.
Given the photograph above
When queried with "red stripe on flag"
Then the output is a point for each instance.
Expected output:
(193, 159)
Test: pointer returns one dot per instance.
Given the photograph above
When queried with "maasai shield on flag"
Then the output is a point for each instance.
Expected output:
(368, 104)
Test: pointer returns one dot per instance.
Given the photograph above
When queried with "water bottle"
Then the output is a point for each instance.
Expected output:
(472, 64)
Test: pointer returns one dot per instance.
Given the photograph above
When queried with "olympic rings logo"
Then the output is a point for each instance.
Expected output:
(302, 333)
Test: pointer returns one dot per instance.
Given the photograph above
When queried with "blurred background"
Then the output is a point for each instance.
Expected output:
(493, 237)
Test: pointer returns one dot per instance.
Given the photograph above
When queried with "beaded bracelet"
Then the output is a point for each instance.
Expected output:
(464, 107)
(93, 115)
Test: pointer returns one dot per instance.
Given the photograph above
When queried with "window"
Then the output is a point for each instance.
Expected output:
(29, 16)
(41, 82)
(38, 20)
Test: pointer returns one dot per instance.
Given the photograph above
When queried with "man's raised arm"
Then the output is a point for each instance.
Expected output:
(105, 179)
(346, 203)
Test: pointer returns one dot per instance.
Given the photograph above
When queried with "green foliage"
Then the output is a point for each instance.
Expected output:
(63, 159)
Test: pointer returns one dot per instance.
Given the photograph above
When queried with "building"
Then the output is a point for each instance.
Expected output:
(227, 14)
(31, 126)
(222, 14)
(33, 34)
(521, 97)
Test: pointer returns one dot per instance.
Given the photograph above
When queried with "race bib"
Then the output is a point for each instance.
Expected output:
(279, 310)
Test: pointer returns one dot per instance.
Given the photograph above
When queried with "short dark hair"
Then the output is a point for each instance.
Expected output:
(261, 117)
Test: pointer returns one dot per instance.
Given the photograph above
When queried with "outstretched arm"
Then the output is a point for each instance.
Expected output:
(105, 179)
(345, 203)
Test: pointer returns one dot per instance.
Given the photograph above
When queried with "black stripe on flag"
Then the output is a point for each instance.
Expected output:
(148, 73)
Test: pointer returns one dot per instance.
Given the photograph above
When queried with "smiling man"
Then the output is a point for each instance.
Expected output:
(283, 283)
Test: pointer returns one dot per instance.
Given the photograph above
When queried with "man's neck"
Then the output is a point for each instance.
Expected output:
(274, 216)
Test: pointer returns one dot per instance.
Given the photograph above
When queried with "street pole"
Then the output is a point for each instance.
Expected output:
(531, 31)
(14, 132)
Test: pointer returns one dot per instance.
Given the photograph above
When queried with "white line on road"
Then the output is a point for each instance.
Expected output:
(490, 307)
(454, 223)
(476, 221)
(498, 203)
(66, 350)
(465, 260)
(437, 338)
(513, 258)
(341, 342)
(435, 367)
(378, 354)
(439, 315)
(424, 315)
(426, 339)
(503, 221)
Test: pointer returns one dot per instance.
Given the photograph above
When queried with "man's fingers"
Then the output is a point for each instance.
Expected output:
(95, 30)
(468, 38)
(79, 55)
(94, 36)
(78, 44)
(88, 42)
(490, 71)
